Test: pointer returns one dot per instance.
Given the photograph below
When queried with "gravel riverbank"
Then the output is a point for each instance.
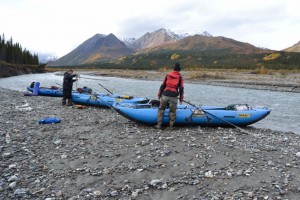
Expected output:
(94, 153)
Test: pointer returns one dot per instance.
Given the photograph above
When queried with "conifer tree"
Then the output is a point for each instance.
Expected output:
(13, 53)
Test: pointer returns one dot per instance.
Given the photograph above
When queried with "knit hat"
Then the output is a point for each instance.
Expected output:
(177, 67)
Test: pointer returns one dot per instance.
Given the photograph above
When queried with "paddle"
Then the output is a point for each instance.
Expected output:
(61, 86)
(105, 88)
(218, 118)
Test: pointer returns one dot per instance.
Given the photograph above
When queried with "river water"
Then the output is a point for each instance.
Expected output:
(285, 114)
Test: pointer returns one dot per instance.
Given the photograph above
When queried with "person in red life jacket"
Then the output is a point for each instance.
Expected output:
(171, 87)
(68, 86)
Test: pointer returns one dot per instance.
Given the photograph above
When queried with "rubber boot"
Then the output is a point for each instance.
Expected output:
(160, 114)
(172, 117)
(70, 103)
(159, 118)
(64, 102)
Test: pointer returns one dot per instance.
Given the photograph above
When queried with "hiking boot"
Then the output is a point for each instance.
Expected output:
(63, 103)
(158, 127)
(171, 125)
(171, 128)
(70, 103)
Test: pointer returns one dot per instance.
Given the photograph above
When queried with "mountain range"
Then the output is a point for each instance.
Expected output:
(110, 49)
(47, 57)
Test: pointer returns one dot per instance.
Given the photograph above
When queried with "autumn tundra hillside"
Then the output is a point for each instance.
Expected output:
(162, 48)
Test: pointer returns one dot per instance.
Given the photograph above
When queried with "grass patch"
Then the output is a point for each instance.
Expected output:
(201, 75)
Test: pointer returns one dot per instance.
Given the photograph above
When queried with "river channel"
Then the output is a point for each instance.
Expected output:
(285, 114)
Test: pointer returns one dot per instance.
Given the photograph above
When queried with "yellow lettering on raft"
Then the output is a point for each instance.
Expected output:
(244, 115)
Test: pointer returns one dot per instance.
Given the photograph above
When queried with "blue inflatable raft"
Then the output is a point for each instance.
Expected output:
(85, 98)
(106, 100)
(53, 91)
(187, 115)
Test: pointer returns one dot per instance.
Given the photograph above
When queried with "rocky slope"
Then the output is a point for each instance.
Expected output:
(7, 70)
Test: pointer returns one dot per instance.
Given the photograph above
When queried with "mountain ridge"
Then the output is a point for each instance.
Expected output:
(95, 49)
(294, 48)
(204, 43)
(109, 49)
(99, 47)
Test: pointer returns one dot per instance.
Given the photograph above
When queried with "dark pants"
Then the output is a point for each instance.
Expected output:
(67, 94)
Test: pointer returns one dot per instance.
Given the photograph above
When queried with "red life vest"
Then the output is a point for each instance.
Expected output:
(173, 81)
(172, 85)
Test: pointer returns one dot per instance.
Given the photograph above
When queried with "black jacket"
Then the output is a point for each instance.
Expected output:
(68, 81)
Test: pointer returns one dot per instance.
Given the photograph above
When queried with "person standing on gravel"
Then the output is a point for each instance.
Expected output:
(68, 86)
(171, 87)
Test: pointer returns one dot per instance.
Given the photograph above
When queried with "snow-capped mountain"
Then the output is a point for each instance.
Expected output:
(128, 41)
(46, 57)
(104, 48)
(159, 37)
(182, 34)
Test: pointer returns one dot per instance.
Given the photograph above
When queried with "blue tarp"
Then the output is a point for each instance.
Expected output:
(50, 120)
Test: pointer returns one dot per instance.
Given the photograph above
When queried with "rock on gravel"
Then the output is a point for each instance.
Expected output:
(94, 153)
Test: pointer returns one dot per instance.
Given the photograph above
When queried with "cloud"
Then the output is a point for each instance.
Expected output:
(60, 26)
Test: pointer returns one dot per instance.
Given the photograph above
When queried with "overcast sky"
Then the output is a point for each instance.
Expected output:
(59, 26)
